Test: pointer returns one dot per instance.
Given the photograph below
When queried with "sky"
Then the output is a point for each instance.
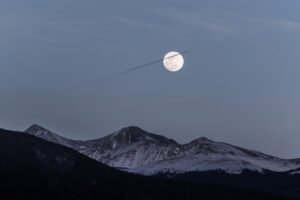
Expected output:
(240, 82)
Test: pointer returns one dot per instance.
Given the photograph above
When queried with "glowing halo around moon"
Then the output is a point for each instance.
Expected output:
(173, 61)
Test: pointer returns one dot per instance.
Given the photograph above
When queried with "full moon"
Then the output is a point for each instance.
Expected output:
(173, 61)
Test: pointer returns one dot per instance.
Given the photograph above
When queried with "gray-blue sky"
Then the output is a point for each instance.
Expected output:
(239, 84)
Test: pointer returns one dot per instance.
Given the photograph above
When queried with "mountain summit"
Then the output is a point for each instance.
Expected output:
(43, 133)
(136, 150)
(133, 134)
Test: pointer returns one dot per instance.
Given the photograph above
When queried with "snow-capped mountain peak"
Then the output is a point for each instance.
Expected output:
(133, 134)
(203, 140)
(35, 128)
(42, 132)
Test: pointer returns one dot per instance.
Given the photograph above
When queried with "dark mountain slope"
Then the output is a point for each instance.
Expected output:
(283, 183)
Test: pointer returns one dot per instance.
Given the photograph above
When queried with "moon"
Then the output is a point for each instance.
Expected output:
(173, 61)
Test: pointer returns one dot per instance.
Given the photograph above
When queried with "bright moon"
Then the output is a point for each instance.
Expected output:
(173, 61)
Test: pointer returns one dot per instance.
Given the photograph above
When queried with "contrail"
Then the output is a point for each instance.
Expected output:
(122, 72)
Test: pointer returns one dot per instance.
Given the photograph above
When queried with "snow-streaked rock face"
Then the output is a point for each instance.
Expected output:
(138, 151)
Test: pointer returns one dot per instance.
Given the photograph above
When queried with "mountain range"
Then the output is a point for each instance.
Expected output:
(135, 150)
(33, 168)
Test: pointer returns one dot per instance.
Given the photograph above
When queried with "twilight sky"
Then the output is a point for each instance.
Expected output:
(240, 83)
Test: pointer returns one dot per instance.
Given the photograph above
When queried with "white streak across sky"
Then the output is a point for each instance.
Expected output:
(123, 72)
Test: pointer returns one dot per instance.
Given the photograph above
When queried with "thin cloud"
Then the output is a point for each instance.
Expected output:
(224, 22)
(201, 20)
(152, 27)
